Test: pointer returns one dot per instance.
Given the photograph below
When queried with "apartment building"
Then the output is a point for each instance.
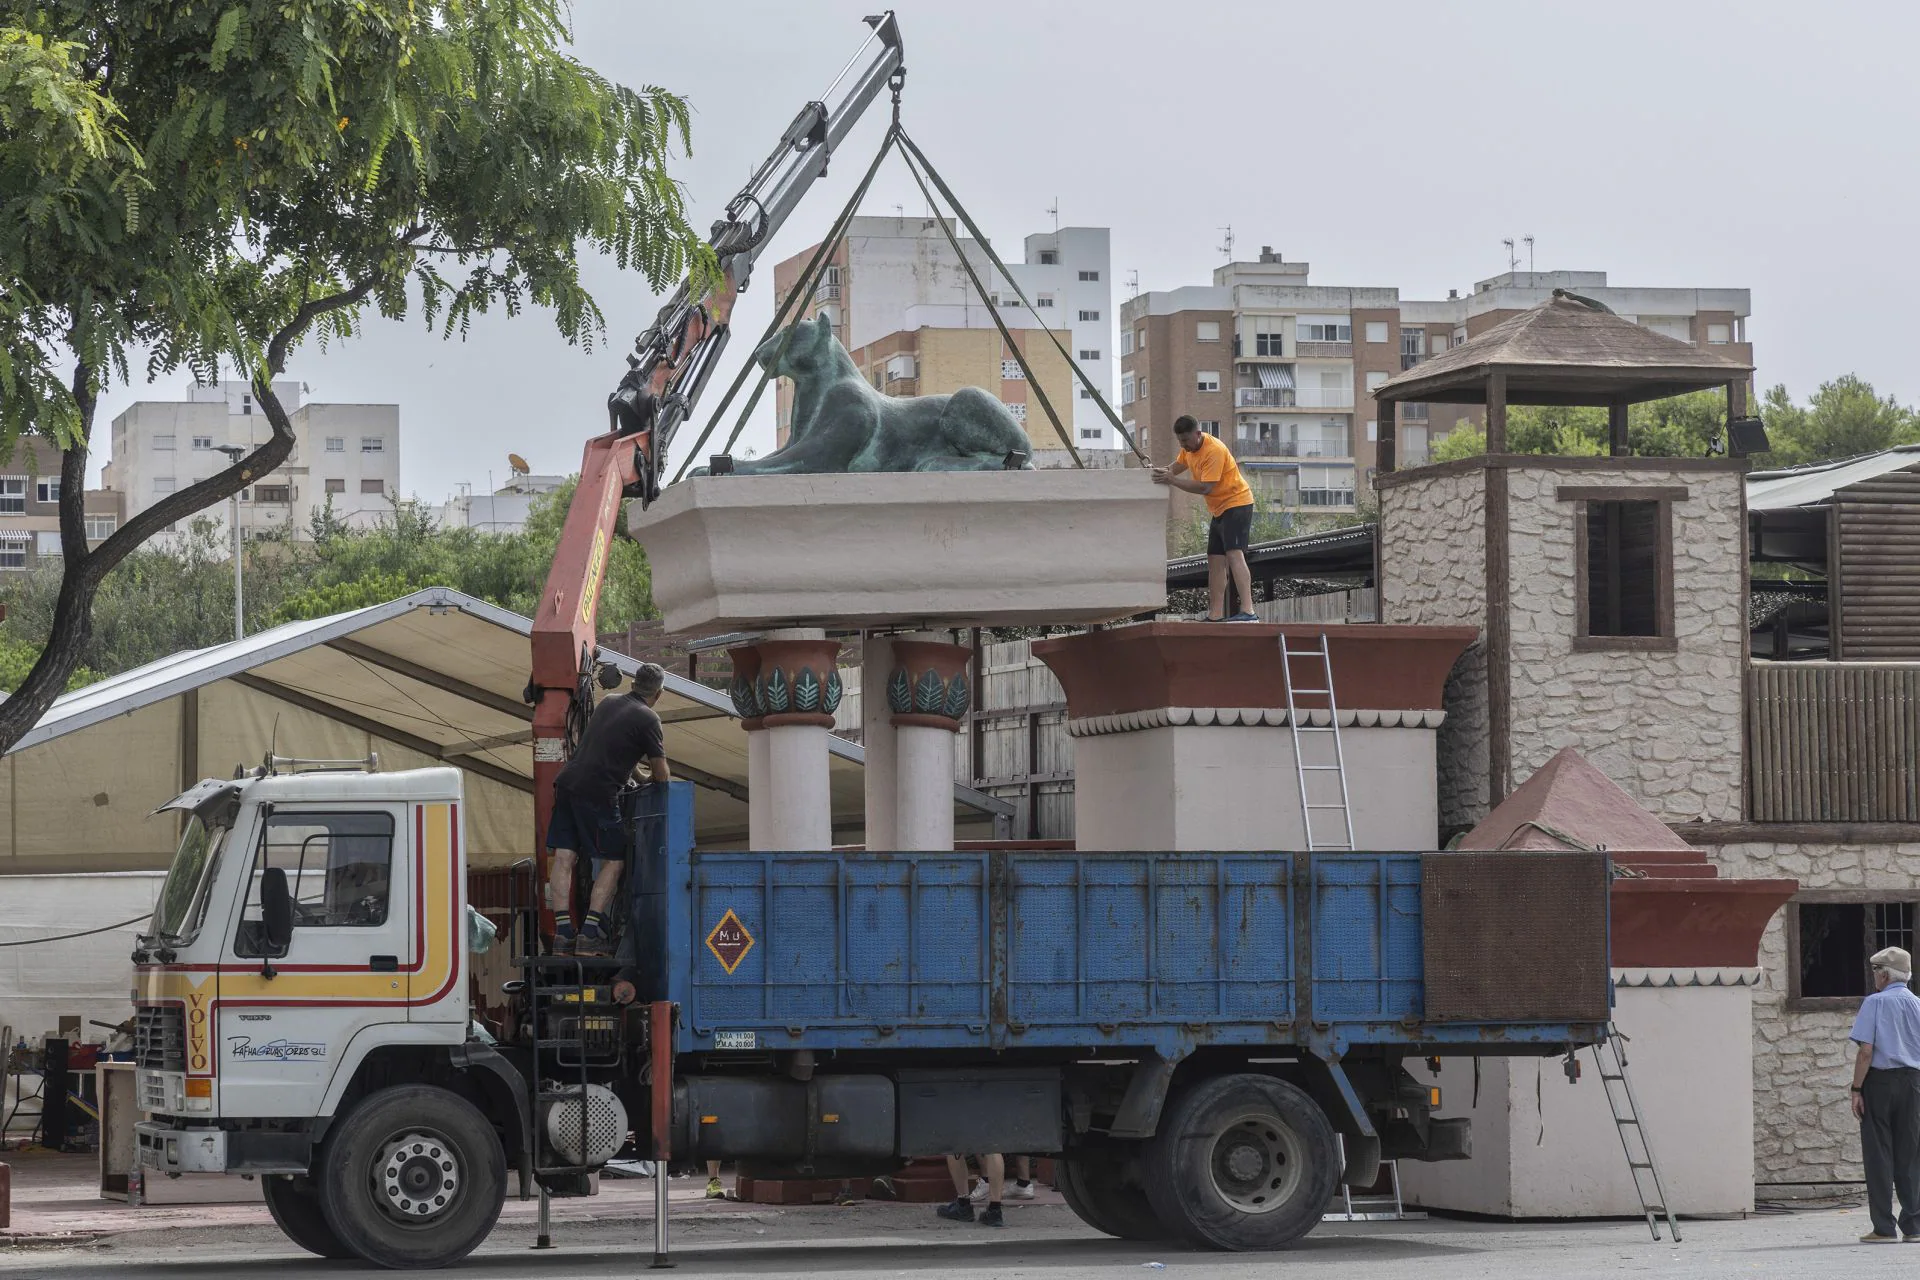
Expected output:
(345, 456)
(893, 277)
(1283, 370)
(505, 510)
(30, 507)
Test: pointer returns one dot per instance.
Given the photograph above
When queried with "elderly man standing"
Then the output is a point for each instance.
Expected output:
(1886, 1097)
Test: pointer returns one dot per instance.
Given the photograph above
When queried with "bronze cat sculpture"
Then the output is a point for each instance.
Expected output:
(840, 423)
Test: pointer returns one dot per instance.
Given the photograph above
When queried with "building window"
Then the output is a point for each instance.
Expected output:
(163, 444)
(336, 485)
(13, 495)
(203, 443)
(1830, 935)
(1439, 343)
(1206, 331)
(373, 444)
(376, 487)
(1088, 353)
(1623, 541)
(336, 444)
(1143, 386)
(1211, 426)
(246, 406)
(99, 527)
(1140, 338)
(274, 493)
(1089, 315)
(1413, 343)
(47, 490)
(1459, 334)
(1089, 433)
(1375, 380)
(1044, 300)
(1376, 331)
(1019, 410)
(1373, 430)
(163, 484)
(1719, 335)
(1126, 341)
(1324, 331)
(1269, 338)
(1086, 394)
(1206, 380)
(1128, 392)
(1089, 275)
(1010, 371)
(13, 551)
(1049, 257)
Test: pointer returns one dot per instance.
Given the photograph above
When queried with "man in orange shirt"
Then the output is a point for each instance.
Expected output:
(1207, 467)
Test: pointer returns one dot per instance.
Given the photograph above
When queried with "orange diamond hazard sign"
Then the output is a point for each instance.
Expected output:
(730, 942)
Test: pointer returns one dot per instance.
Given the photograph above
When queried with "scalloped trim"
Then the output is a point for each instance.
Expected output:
(1250, 717)
(1687, 977)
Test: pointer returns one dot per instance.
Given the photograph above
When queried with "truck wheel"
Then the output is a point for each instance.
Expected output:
(413, 1177)
(1094, 1191)
(295, 1206)
(1242, 1162)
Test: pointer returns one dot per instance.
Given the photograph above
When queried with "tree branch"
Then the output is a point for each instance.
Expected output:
(73, 470)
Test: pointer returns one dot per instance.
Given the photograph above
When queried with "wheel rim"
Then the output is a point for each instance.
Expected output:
(1257, 1163)
(417, 1177)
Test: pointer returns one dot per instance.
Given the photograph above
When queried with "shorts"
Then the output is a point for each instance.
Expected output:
(1231, 530)
(591, 828)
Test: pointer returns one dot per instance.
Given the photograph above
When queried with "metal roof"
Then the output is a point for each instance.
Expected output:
(1337, 552)
(435, 677)
(1813, 486)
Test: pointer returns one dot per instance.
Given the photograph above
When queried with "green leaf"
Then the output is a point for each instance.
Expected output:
(899, 692)
(929, 693)
(806, 690)
(776, 695)
(957, 696)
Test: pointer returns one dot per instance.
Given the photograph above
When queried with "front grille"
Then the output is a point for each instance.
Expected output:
(153, 1093)
(160, 1038)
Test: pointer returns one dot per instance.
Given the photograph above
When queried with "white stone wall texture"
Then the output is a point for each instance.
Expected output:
(1803, 1125)
(1666, 726)
(1433, 555)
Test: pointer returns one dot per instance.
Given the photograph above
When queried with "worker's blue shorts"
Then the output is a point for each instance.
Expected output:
(589, 827)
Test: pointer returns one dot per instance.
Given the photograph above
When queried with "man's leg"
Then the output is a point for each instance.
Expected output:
(1242, 579)
(961, 1210)
(1216, 586)
(1876, 1150)
(560, 893)
(1906, 1150)
(995, 1169)
(716, 1190)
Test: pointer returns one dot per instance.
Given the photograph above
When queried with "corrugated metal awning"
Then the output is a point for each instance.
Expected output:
(1276, 377)
(1815, 485)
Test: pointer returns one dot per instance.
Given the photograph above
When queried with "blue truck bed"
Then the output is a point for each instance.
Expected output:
(991, 951)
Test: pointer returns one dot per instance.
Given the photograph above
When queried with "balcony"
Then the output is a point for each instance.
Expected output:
(1264, 448)
(1324, 397)
(1326, 497)
(1262, 398)
(1411, 412)
(1324, 350)
(903, 386)
(827, 293)
(1408, 359)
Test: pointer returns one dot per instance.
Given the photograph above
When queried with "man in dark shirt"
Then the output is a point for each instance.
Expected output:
(622, 734)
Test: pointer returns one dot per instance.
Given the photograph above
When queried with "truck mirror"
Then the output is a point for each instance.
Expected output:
(276, 910)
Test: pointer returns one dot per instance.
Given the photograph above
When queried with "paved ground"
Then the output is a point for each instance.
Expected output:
(611, 1236)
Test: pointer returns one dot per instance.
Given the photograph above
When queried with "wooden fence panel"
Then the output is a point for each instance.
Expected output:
(1834, 742)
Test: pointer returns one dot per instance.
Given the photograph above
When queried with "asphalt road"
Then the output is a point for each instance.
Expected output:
(1043, 1242)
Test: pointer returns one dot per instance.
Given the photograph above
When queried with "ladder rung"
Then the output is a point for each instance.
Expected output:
(1334, 767)
(1326, 806)
(1304, 653)
(1313, 693)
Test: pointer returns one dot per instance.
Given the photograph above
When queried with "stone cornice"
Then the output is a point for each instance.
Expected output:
(1246, 717)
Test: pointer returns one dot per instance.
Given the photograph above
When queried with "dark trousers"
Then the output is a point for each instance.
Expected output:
(1890, 1142)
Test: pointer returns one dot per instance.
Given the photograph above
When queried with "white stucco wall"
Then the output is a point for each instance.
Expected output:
(1433, 551)
(1664, 725)
(1547, 1148)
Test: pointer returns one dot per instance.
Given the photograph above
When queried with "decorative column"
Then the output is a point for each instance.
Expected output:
(927, 696)
(795, 691)
(877, 739)
(746, 701)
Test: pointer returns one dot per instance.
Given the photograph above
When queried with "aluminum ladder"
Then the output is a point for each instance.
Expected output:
(1318, 736)
(1610, 1056)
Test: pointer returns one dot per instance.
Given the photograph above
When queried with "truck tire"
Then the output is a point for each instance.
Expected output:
(295, 1206)
(1242, 1162)
(1093, 1189)
(413, 1176)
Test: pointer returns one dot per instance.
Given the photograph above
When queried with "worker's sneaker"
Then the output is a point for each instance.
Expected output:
(1244, 617)
(992, 1217)
(1017, 1190)
(593, 943)
(979, 1193)
(564, 941)
(1874, 1237)
(715, 1189)
(958, 1211)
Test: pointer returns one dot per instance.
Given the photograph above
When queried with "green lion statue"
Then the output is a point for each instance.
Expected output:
(840, 423)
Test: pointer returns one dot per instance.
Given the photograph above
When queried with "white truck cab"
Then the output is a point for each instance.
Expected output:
(303, 1013)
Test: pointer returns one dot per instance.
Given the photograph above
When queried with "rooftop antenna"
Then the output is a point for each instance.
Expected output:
(1226, 244)
(1133, 283)
(1513, 259)
(1528, 241)
(1053, 211)
(900, 212)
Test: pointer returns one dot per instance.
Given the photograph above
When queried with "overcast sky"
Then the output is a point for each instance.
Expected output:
(1763, 144)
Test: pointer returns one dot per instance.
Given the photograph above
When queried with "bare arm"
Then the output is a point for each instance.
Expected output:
(1861, 1062)
(657, 766)
(1176, 476)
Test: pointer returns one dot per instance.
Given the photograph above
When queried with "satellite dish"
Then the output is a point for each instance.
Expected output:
(518, 463)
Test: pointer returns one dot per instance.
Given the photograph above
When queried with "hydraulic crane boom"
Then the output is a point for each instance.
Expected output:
(666, 374)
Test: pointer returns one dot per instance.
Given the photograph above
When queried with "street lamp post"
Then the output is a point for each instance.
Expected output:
(234, 454)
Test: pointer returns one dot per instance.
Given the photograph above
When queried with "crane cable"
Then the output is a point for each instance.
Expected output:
(65, 937)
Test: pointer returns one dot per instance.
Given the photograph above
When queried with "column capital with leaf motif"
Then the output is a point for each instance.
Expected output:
(786, 682)
(928, 684)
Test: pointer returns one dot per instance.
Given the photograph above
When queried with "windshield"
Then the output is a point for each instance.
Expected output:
(183, 897)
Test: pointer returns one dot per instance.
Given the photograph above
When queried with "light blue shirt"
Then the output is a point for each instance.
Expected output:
(1890, 1021)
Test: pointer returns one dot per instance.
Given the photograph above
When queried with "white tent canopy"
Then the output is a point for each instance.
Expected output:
(434, 677)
